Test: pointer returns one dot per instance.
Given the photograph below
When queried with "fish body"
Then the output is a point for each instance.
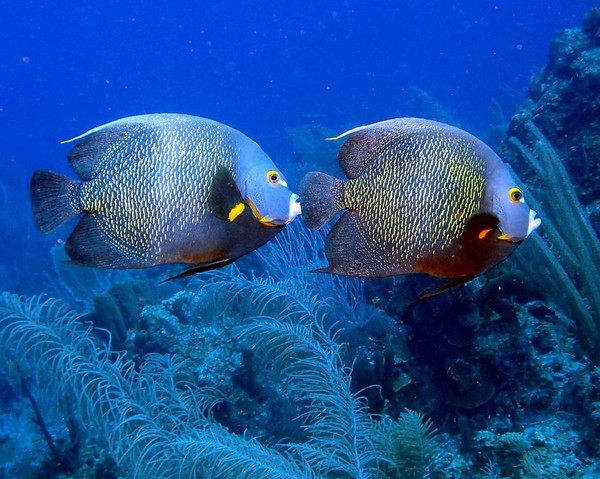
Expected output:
(421, 197)
(164, 188)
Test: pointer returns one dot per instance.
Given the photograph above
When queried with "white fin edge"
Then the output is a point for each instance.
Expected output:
(349, 132)
(363, 127)
(127, 119)
(89, 132)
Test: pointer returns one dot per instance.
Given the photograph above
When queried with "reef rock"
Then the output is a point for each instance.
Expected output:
(564, 102)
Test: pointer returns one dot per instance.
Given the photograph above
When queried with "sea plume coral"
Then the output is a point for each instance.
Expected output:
(157, 422)
(154, 421)
(565, 260)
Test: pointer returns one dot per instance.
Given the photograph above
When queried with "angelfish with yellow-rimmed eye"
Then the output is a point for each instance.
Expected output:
(421, 197)
(165, 188)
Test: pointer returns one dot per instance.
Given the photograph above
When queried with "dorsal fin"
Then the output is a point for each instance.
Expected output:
(360, 149)
(85, 156)
(98, 143)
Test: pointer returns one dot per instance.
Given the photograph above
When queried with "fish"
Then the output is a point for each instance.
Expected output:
(420, 197)
(164, 188)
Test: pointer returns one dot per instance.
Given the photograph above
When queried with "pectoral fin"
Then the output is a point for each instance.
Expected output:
(224, 198)
(202, 267)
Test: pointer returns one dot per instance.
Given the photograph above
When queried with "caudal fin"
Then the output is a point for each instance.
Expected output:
(50, 200)
(317, 198)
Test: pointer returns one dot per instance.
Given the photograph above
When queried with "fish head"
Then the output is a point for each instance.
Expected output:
(265, 189)
(516, 220)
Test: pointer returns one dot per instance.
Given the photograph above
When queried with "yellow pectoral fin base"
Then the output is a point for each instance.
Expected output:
(484, 233)
(236, 211)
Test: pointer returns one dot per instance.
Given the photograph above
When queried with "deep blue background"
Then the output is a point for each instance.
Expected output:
(260, 66)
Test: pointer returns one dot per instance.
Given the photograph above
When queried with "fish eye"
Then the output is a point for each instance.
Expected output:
(515, 195)
(273, 177)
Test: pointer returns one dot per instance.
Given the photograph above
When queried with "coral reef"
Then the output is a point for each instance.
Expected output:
(564, 100)
(554, 144)
(568, 253)
(263, 369)
(158, 421)
(289, 374)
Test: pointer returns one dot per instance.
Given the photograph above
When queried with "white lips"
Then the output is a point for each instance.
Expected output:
(533, 222)
(295, 208)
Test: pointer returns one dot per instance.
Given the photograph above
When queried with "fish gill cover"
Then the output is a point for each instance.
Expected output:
(261, 368)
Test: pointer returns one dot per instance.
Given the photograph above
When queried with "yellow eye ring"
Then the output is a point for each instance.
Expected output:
(273, 177)
(515, 195)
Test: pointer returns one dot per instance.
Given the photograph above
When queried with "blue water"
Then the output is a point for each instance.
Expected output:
(260, 66)
(263, 67)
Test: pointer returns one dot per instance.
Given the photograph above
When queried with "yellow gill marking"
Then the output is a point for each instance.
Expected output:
(236, 211)
(264, 220)
(255, 211)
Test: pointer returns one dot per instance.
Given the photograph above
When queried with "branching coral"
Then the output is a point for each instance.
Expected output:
(336, 420)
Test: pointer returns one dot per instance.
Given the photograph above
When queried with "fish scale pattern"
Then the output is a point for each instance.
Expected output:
(160, 180)
(423, 207)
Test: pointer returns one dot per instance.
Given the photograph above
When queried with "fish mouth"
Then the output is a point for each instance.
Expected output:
(295, 207)
(532, 225)
(294, 211)
(533, 222)
(508, 238)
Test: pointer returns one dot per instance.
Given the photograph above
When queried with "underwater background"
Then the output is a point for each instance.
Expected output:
(262, 369)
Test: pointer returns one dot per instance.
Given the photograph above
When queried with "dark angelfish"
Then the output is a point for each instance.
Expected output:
(164, 188)
(421, 197)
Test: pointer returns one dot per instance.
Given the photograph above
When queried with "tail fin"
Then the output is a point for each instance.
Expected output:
(50, 200)
(318, 198)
